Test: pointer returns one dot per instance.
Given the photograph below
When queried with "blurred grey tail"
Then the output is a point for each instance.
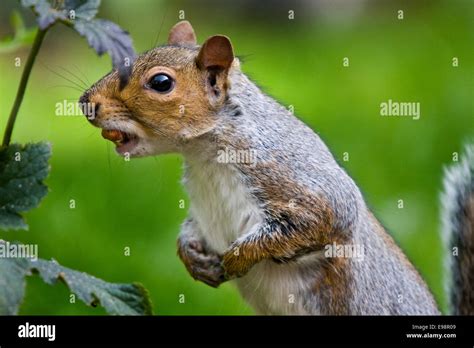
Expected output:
(458, 232)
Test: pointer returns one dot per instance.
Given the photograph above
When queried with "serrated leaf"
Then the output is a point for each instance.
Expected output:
(12, 284)
(102, 35)
(117, 299)
(86, 9)
(22, 171)
(105, 36)
(49, 11)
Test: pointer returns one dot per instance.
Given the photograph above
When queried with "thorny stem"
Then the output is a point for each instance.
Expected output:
(22, 87)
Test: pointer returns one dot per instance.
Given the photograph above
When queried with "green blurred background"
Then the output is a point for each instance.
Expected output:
(136, 204)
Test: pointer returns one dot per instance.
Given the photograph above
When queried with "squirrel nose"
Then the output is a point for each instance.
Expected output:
(84, 99)
(86, 106)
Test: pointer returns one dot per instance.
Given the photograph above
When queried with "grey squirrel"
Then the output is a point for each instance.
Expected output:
(267, 196)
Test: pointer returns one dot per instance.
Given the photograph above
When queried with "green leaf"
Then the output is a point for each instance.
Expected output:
(105, 36)
(17, 21)
(49, 11)
(22, 171)
(87, 10)
(12, 284)
(22, 35)
(121, 299)
(46, 13)
(102, 35)
(117, 299)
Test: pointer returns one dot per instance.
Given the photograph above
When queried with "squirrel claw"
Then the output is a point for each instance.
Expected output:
(203, 265)
(212, 277)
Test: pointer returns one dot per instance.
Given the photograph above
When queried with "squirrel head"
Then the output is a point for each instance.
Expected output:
(172, 97)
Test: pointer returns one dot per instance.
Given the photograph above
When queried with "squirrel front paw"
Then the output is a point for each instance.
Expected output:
(236, 262)
(202, 264)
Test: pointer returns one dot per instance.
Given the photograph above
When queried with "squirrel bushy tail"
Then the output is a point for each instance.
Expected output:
(458, 233)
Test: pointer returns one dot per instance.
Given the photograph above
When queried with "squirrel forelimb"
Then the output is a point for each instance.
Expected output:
(203, 264)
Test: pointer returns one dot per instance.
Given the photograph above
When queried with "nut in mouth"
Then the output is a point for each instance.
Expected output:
(124, 142)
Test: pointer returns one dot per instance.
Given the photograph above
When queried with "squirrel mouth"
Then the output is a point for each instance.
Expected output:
(124, 142)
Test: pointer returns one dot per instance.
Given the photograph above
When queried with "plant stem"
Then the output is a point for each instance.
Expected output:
(22, 87)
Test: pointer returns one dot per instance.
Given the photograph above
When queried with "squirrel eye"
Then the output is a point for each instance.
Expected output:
(161, 83)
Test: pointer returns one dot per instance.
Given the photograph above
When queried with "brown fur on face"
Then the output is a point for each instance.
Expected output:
(172, 118)
(182, 114)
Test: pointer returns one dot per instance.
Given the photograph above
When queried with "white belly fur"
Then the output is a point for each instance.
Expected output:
(225, 211)
(221, 204)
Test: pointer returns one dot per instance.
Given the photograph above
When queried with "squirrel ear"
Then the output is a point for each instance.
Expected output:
(182, 34)
(217, 53)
